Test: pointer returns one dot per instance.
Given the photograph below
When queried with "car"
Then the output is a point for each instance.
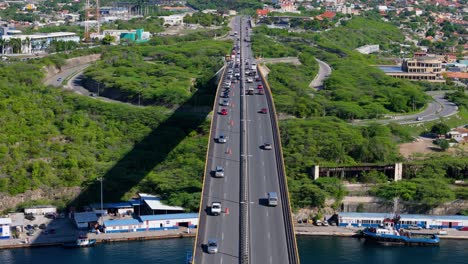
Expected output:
(225, 102)
(226, 94)
(29, 227)
(318, 222)
(267, 146)
(50, 215)
(212, 246)
(30, 232)
(263, 110)
(249, 80)
(257, 78)
(222, 139)
(414, 227)
(224, 111)
(260, 86)
(42, 226)
(59, 79)
(215, 208)
(30, 217)
(261, 91)
(419, 118)
(219, 171)
(92, 94)
(324, 223)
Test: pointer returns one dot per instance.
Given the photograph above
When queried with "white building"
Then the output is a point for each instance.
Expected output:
(368, 49)
(41, 210)
(5, 228)
(36, 43)
(152, 223)
(173, 20)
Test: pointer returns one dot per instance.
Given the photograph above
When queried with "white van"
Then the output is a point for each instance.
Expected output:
(272, 199)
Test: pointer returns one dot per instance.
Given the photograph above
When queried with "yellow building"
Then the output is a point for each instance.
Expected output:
(425, 68)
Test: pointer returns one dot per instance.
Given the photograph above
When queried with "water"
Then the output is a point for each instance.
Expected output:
(321, 250)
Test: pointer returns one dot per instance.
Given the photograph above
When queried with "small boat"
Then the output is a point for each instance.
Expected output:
(388, 235)
(81, 241)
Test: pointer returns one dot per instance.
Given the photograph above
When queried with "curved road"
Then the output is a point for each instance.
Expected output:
(324, 71)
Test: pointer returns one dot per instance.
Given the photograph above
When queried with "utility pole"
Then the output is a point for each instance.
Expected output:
(102, 203)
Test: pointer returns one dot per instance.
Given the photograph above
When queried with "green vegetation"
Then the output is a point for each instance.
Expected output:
(52, 138)
(223, 6)
(166, 76)
(204, 19)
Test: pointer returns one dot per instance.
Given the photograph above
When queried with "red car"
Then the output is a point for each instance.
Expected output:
(263, 110)
(261, 91)
(224, 111)
(260, 86)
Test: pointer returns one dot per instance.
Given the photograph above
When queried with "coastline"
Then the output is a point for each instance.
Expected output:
(301, 230)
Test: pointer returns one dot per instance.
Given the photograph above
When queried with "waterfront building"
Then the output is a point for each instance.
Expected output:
(5, 228)
(85, 220)
(406, 220)
(152, 223)
(151, 204)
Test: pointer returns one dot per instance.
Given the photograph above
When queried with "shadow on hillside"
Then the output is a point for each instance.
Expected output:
(152, 150)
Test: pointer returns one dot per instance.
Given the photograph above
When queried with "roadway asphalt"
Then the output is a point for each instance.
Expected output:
(267, 236)
(225, 227)
(268, 243)
(324, 72)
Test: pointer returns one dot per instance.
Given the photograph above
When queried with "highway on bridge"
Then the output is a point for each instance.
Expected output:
(249, 168)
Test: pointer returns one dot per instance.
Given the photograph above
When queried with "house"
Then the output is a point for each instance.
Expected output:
(262, 12)
(459, 134)
(328, 15)
(5, 228)
(173, 20)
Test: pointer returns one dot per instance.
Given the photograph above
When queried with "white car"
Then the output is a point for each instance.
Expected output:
(249, 80)
(219, 172)
(212, 246)
(216, 208)
(222, 139)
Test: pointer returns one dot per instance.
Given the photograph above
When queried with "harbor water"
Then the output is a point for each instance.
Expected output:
(313, 249)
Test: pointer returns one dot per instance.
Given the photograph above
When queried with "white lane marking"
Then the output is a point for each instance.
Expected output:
(271, 259)
(221, 261)
(222, 236)
(269, 235)
(267, 215)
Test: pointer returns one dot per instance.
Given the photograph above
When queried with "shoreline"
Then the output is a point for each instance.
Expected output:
(107, 238)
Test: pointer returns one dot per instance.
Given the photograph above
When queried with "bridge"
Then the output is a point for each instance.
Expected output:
(244, 163)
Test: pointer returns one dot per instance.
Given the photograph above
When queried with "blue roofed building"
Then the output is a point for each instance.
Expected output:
(424, 221)
(123, 225)
(170, 221)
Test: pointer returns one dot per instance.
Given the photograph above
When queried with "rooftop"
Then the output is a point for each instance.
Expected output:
(168, 216)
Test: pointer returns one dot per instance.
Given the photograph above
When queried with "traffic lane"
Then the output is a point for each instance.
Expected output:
(57, 79)
(267, 227)
(216, 188)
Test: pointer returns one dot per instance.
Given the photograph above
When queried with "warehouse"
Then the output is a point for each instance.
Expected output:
(406, 220)
(169, 221)
(123, 225)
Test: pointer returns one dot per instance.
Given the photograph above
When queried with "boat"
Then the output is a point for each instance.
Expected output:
(81, 241)
(387, 234)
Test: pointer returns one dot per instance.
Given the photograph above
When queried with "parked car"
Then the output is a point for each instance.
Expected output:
(42, 226)
(325, 223)
(30, 232)
(414, 227)
(318, 222)
(30, 217)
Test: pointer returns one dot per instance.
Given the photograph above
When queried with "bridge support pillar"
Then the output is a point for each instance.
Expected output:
(398, 171)
(316, 172)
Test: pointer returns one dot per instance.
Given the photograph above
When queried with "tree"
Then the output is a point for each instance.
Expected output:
(108, 39)
(442, 143)
(440, 129)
